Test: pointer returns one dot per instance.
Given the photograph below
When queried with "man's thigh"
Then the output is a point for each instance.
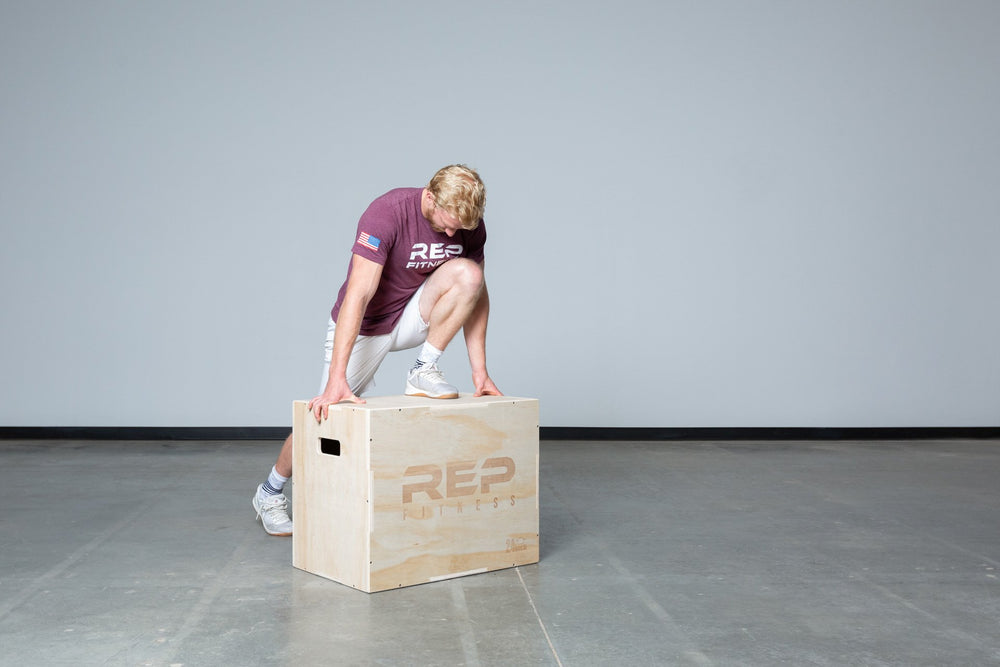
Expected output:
(443, 278)
(411, 330)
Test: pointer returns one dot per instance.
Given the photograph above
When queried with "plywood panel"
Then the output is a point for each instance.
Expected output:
(482, 514)
(330, 499)
(445, 488)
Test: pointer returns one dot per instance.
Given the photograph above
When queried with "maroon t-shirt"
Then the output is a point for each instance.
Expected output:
(393, 232)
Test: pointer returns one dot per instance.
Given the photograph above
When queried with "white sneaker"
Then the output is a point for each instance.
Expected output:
(273, 513)
(427, 380)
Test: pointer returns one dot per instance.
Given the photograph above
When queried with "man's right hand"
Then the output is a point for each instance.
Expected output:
(335, 393)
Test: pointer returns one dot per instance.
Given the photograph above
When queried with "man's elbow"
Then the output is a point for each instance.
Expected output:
(357, 300)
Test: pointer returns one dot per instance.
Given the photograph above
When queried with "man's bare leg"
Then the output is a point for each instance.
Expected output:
(448, 299)
(269, 502)
(284, 463)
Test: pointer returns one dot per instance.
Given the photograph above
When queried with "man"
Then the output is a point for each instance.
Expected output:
(415, 278)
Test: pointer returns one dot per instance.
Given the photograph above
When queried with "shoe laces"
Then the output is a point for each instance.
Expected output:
(432, 372)
(277, 503)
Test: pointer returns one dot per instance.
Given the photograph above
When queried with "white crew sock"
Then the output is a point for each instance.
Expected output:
(428, 355)
(274, 484)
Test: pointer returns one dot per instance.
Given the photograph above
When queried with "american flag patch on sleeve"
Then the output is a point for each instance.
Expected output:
(369, 241)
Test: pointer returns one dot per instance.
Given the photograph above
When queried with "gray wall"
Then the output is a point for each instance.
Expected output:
(764, 213)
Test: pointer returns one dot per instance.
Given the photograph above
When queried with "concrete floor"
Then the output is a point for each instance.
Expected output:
(790, 553)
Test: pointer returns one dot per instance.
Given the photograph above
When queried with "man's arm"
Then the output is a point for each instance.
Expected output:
(361, 287)
(475, 342)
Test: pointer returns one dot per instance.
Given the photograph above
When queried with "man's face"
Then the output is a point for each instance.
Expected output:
(443, 221)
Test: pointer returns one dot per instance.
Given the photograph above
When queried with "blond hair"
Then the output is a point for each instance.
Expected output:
(459, 191)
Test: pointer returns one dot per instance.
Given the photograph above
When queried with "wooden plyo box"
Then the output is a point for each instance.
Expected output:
(405, 490)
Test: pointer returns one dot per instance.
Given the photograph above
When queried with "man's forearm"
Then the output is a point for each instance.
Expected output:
(475, 332)
(361, 286)
(345, 335)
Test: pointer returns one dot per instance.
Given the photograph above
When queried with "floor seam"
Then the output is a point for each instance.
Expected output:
(538, 617)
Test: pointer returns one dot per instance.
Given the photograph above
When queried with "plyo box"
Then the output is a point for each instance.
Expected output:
(404, 490)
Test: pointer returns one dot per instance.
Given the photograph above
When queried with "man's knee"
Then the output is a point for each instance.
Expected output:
(460, 280)
(466, 273)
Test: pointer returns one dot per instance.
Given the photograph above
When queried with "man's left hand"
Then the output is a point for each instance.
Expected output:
(485, 387)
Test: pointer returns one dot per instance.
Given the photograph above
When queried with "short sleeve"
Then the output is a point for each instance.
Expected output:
(475, 243)
(376, 232)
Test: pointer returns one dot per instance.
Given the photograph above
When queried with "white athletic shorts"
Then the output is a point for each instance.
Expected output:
(370, 351)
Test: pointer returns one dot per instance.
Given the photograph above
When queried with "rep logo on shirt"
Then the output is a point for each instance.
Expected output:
(432, 254)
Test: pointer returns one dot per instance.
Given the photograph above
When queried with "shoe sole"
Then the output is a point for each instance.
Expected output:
(413, 391)
(261, 519)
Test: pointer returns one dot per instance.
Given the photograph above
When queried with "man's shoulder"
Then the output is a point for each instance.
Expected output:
(398, 196)
(391, 209)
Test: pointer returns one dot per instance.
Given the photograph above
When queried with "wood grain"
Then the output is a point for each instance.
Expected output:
(423, 489)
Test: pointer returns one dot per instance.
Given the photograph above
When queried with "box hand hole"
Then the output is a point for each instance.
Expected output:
(329, 446)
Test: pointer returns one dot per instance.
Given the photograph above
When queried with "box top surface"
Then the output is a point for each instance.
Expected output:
(403, 401)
